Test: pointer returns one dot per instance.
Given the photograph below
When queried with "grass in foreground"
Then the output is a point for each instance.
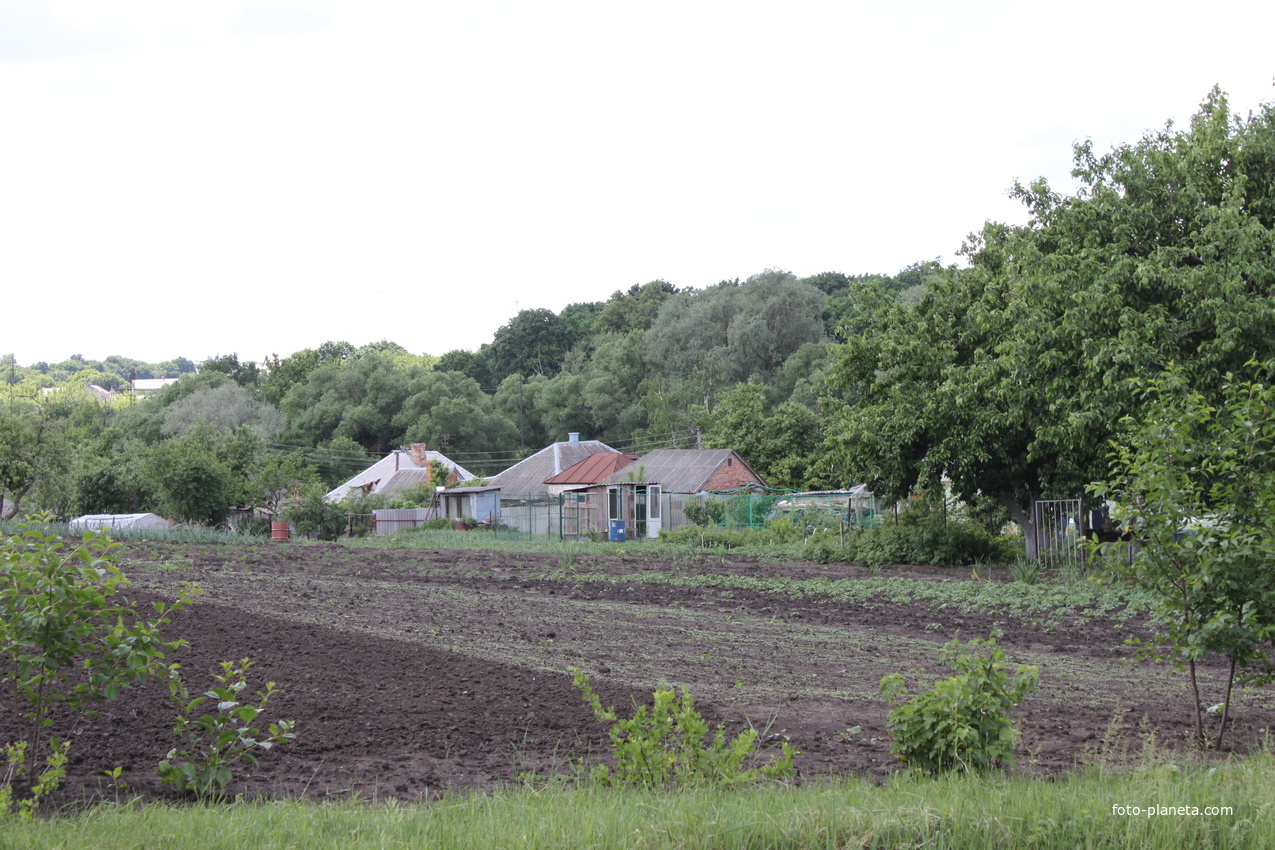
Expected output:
(1228, 805)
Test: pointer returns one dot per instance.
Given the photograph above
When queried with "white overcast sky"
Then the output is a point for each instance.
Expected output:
(195, 177)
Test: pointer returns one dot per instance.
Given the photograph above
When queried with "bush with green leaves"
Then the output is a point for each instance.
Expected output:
(716, 537)
(666, 746)
(962, 723)
(934, 543)
(1195, 478)
(705, 512)
(68, 637)
(314, 516)
(15, 760)
(213, 742)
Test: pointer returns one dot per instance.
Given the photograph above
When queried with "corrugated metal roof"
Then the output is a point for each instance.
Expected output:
(678, 470)
(387, 469)
(593, 468)
(528, 476)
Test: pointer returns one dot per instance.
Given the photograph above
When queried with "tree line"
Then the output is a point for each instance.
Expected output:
(649, 367)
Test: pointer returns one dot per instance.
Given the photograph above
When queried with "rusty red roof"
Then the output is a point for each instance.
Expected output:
(593, 468)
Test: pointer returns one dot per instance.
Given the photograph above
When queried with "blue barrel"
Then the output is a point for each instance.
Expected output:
(617, 531)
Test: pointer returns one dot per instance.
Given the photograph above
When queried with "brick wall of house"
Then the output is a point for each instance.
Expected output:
(730, 475)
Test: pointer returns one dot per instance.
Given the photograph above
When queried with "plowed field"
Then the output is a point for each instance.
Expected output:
(411, 672)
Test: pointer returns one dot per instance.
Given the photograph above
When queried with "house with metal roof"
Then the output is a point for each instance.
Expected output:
(400, 470)
(527, 477)
(647, 494)
(691, 471)
(593, 469)
(523, 499)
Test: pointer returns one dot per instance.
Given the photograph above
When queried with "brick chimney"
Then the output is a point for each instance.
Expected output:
(418, 455)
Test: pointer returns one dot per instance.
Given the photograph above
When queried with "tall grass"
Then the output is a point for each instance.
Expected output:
(956, 812)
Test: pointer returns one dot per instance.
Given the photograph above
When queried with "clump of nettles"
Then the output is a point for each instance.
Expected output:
(961, 723)
(665, 746)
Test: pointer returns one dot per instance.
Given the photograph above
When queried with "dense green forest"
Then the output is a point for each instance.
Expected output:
(1010, 373)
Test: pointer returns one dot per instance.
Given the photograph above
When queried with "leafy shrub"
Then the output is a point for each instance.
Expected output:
(422, 495)
(953, 543)
(712, 537)
(67, 637)
(826, 550)
(312, 516)
(48, 781)
(962, 722)
(666, 746)
(215, 741)
(705, 513)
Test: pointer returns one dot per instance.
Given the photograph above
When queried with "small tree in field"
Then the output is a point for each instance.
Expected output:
(68, 638)
(1196, 481)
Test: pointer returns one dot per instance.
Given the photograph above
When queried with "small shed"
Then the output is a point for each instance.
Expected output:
(481, 503)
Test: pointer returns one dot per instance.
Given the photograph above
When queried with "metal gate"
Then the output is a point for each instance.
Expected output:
(1059, 533)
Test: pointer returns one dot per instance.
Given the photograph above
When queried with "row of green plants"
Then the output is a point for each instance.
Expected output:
(70, 640)
(1043, 602)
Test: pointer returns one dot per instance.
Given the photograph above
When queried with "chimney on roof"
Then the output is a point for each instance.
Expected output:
(573, 436)
(419, 455)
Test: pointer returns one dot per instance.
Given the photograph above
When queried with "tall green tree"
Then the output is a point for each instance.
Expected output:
(191, 482)
(449, 412)
(634, 310)
(532, 342)
(107, 475)
(228, 407)
(779, 441)
(612, 390)
(35, 444)
(1010, 376)
(520, 400)
(244, 373)
(282, 374)
(729, 331)
(144, 420)
(359, 398)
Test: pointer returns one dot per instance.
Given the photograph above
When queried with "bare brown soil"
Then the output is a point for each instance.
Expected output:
(413, 672)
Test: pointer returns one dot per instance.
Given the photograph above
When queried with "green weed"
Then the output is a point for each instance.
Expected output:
(962, 722)
(665, 746)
